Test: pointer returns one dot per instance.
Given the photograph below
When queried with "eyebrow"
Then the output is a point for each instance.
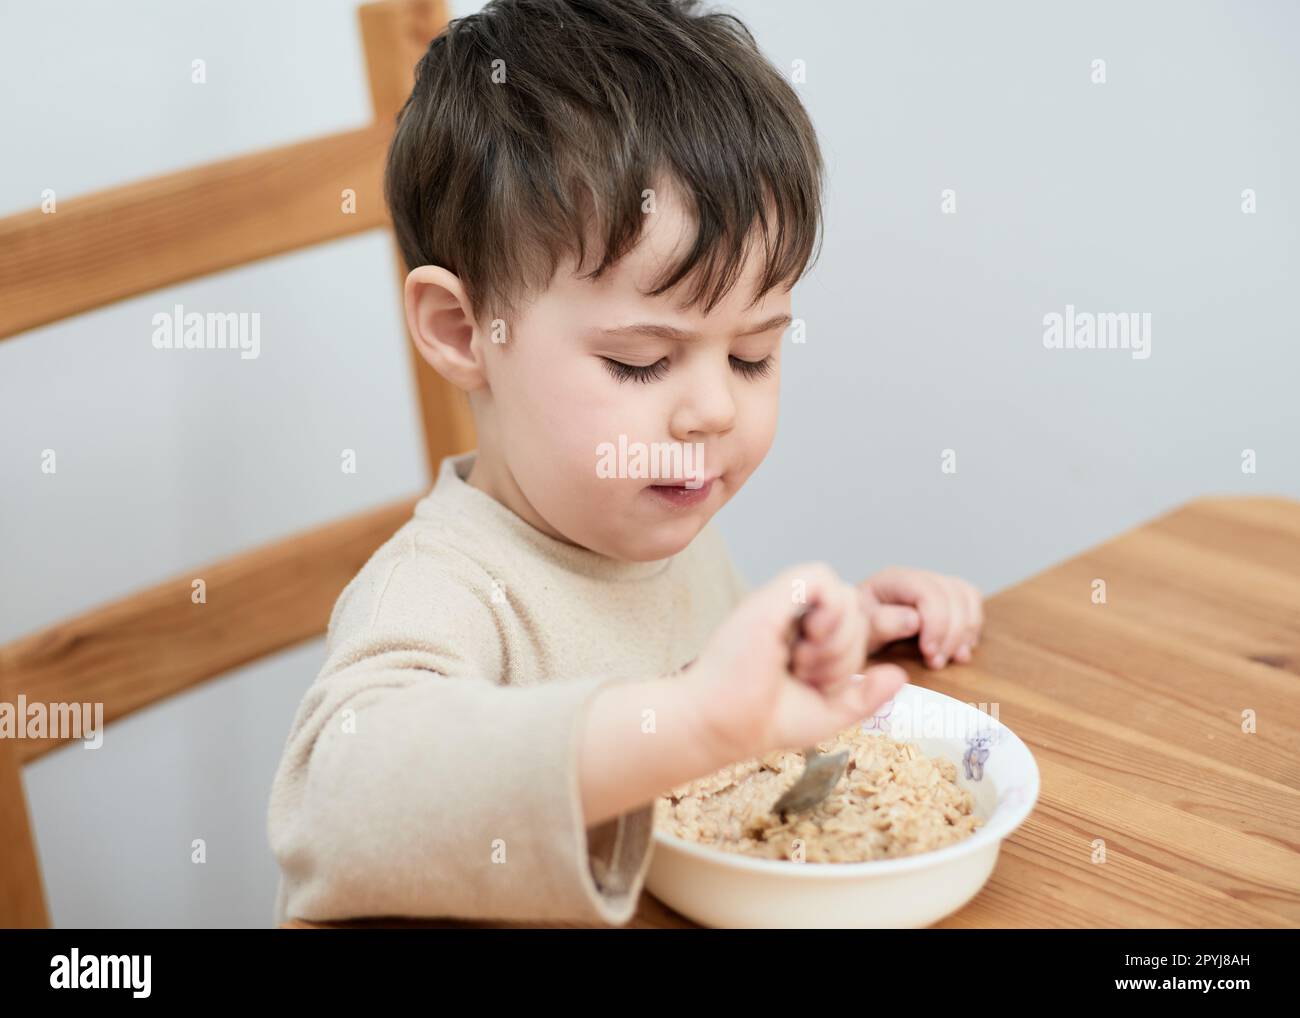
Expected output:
(669, 332)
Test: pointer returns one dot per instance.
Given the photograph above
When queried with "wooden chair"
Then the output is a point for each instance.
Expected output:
(142, 236)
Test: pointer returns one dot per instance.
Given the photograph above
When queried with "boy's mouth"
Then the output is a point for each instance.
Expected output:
(676, 493)
(688, 482)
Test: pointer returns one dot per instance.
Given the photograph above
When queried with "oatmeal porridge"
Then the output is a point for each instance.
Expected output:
(892, 801)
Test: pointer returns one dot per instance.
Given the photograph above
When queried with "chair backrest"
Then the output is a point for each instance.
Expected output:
(145, 235)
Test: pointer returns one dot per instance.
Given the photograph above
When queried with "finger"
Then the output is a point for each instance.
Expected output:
(840, 638)
(892, 622)
(957, 619)
(925, 592)
(896, 585)
(936, 617)
(861, 695)
(804, 588)
(810, 715)
(838, 604)
(825, 619)
(979, 613)
(840, 652)
(974, 620)
(799, 589)
(852, 655)
(841, 623)
(821, 620)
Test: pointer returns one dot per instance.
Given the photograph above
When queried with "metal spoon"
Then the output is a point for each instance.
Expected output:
(822, 771)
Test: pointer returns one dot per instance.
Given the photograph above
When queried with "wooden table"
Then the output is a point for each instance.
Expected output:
(1135, 710)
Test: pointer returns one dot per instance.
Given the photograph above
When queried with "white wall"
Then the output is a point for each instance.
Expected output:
(924, 333)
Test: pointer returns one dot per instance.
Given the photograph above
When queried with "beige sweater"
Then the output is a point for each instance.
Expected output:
(431, 769)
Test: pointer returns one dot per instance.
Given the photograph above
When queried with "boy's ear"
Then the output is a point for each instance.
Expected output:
(442, 326)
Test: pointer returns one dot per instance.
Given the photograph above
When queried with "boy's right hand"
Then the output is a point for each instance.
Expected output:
(749, 703)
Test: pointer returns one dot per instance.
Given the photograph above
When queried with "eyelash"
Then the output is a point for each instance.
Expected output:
(653, 372)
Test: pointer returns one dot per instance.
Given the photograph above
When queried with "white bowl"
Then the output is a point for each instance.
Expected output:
(729, 890)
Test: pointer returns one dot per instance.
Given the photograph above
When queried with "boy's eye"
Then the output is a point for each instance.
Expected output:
(654, 372)
(753, 369)
(636, 372)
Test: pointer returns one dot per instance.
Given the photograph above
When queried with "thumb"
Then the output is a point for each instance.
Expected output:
(893, 622)
(859, 696)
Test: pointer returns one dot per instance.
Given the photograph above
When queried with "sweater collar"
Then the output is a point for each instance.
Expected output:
(483, 512)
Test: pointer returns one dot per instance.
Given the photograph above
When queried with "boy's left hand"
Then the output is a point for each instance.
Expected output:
(946, 612)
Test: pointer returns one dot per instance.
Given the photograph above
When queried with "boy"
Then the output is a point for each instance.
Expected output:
(603, 207)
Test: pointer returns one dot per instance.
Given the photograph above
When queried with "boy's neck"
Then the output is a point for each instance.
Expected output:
(491, 476)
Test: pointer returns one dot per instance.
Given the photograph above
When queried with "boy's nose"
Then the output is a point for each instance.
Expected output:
(707, 408)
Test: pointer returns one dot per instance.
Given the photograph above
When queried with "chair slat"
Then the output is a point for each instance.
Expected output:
(151, 645)
(396, 34)
(104, 247)
(22, 896)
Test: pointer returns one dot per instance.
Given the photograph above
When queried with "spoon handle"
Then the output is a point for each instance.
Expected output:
(796, 634)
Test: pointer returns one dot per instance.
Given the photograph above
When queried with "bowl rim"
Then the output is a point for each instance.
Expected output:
(991, 834)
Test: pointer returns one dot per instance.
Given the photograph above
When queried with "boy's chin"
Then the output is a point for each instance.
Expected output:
(667, 540)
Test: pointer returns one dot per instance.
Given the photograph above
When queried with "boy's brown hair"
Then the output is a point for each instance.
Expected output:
(535, 122)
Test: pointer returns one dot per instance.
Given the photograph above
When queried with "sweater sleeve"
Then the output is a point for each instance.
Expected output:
(414, 784)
